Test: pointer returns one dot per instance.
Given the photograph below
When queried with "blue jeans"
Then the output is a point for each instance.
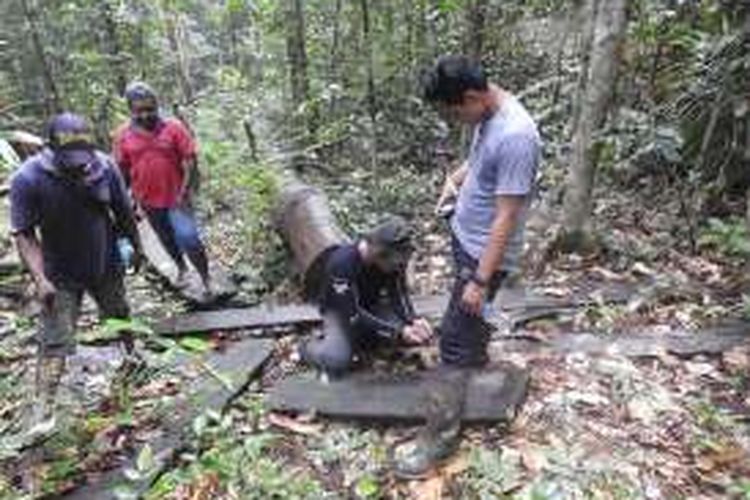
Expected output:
(177, 230)
(464, 336)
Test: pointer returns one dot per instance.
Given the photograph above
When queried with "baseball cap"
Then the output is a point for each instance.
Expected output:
(71, 140)
(393, 235)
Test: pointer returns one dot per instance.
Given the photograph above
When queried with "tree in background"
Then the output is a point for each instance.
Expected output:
(599, 74)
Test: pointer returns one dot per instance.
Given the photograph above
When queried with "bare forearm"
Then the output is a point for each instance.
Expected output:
(508, 212)
(31, 254)
(190, 167)
(459, 175)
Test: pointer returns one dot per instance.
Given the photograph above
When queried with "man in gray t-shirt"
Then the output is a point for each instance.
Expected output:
(493, 189)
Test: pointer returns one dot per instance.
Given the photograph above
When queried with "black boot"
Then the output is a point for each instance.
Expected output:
(442, 434)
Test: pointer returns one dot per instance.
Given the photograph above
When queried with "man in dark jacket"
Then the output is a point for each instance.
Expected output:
(68, 208)
(364, 299)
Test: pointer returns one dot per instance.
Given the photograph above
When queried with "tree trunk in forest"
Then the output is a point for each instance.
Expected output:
(172, 28)
(297, 53)
(112, 47)
(53, 101)
(587, 17)
(258, 66)
(367, 42)
(601, 75)
(333, 65)
(476, 15)
(372, 107)
(746, 41)
(305, 220)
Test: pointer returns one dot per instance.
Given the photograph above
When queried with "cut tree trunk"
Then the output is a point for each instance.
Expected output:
(601, 74)
(308, 226)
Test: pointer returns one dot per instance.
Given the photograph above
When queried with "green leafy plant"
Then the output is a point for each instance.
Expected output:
(730, 237)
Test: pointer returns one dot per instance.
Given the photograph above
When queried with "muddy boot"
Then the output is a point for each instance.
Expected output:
(208, 289)
(182, 277)
(42, 422)
(442, 434)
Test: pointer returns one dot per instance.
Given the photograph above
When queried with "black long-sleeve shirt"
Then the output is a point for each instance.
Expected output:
(353, 291)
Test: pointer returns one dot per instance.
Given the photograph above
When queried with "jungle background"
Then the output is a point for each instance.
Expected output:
(644, 109)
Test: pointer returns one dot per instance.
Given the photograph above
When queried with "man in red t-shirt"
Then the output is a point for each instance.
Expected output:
(157, 157)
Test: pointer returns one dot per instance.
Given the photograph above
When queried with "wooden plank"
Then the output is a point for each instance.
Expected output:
(228, 319)
(237, 365)
(492, 396)
(711, 341)
(265, 316)
(157, 256)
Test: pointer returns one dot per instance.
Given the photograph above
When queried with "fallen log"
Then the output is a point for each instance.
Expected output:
(233, 368)
(307, 224)
(165, 267)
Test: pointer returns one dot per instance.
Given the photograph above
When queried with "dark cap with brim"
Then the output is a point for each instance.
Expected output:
(394, 235)
(71, 140)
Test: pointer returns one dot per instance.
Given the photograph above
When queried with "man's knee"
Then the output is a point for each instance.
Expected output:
(331, 350)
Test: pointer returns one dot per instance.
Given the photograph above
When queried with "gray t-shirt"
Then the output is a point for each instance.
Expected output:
(503, 160)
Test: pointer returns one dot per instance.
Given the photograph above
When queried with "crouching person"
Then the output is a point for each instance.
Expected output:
(364, 300)
(68, 208)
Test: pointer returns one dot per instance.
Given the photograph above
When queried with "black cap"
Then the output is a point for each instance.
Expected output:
(71, 140)
(139, 91)
(394, 235)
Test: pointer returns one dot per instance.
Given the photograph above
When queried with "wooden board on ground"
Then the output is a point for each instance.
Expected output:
(157, 256)
(493, 396)
(710, 341)
(228, 319)
(509, 299)
(230, 372)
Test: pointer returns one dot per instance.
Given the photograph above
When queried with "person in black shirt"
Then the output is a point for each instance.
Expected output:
(364, 299)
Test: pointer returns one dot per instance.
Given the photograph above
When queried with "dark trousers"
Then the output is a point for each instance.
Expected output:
(334, 348)
(177, 231)
(464, 336)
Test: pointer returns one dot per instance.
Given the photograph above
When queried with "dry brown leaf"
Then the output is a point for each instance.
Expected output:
(532, 459)
(721, 459)
(294, 425)
(737, 360)
(429, 489)
(432, 487)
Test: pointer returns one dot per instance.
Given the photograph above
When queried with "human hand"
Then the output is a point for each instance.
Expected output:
(46, 292)
(472, 298)
(449, 191)
(419, 332)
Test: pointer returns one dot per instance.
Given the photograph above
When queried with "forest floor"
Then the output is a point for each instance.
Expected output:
(593, 425)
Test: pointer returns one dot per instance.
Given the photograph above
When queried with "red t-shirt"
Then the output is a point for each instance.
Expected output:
(153, 161)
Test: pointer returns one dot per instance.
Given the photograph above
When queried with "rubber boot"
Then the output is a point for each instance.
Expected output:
(49, 372)
(440, 437)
